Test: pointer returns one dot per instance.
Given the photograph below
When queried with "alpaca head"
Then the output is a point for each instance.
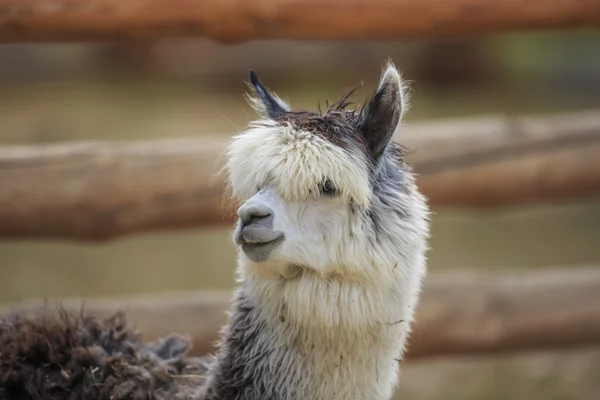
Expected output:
(327, 193)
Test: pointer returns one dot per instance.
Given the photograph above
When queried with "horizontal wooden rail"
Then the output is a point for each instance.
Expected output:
(239, 20)
(100, 190)
(460, 313)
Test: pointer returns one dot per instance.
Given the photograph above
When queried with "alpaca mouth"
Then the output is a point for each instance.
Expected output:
(260, 251)
(255, 245)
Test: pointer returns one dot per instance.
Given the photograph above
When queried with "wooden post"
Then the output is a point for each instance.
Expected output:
(99, 190)
(460, 313)
(237, 20)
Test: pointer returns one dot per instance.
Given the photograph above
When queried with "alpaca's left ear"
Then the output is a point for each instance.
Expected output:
(383, 112)
(264, 102)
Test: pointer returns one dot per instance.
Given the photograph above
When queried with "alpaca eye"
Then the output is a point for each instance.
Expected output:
(327, 188)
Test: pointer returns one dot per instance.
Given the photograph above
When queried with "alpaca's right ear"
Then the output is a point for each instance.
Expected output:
(264, 102)
(383, 112)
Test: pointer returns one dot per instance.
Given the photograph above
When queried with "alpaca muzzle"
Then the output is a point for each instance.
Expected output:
(255, 232)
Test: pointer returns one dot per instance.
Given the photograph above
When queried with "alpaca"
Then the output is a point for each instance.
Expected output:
(332, 235)
(72, 357)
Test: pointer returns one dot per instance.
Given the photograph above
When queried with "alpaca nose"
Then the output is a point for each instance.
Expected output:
(251, 213)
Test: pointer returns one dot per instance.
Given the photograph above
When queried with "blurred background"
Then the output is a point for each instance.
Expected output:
(167, 89)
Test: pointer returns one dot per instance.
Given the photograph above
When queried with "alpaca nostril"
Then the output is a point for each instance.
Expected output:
(253, 213)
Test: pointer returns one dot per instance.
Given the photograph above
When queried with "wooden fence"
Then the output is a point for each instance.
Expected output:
(96, 190)
(459, 313)
(99, 190)
(235, 21)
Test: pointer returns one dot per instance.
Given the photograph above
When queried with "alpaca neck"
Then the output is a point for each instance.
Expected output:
(311, 338)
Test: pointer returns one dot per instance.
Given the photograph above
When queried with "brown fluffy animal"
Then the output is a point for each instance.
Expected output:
(59, 356)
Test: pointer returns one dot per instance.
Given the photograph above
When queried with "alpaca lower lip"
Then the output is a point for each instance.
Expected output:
(260, 251)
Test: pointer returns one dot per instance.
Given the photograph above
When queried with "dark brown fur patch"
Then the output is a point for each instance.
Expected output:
(68, 356)
(338, 124)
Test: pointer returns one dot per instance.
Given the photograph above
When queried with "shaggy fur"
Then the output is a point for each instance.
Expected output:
(65, 356)
(328, 314)
(332, 239)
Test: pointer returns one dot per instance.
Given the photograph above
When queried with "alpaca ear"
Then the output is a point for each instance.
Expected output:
(383, 112)
(264, 102)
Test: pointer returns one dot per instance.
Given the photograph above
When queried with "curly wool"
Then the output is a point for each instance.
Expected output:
(77, 356)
